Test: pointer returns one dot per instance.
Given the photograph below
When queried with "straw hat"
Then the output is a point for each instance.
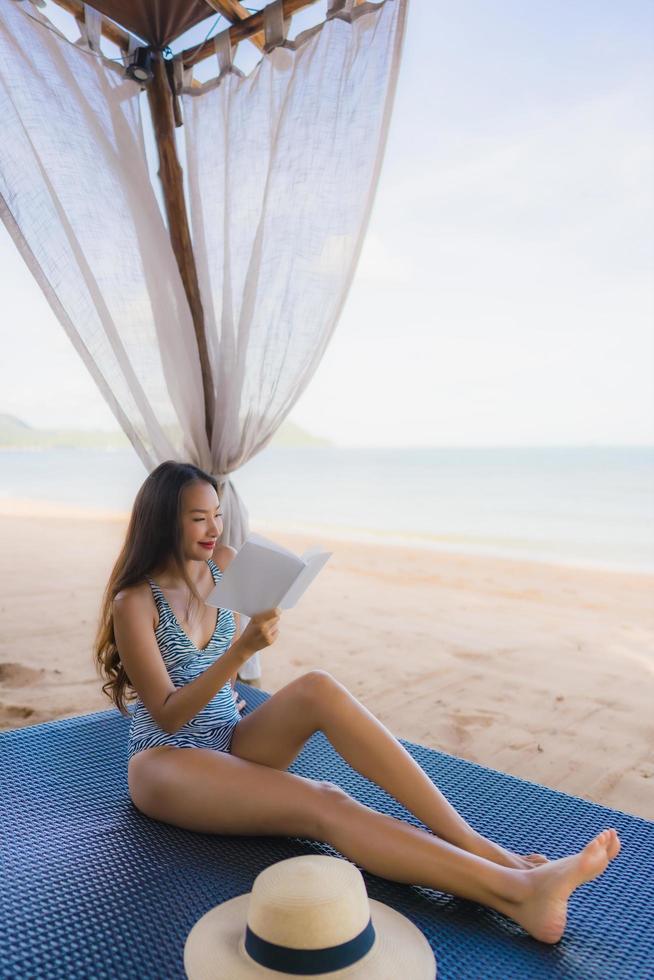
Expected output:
(307, 916)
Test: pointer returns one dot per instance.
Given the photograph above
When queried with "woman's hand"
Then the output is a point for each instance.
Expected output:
(260, 632)
(239, 704)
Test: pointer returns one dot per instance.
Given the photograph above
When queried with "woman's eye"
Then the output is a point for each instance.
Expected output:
(196, 519)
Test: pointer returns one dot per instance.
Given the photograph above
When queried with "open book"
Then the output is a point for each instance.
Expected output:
(264, 575)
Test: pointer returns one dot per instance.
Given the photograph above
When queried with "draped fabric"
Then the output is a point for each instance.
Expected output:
(282, 167)
(76, 197)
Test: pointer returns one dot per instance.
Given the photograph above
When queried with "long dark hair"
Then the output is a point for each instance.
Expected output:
(153, 538)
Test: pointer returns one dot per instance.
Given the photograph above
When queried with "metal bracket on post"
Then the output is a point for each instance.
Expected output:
(175, 73)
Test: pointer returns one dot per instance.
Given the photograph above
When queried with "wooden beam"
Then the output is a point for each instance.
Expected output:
(243, 29)
(109, 29)
(170, 174)
(234, 11)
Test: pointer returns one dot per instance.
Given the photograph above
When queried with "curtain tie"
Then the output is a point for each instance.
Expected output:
(274, 25)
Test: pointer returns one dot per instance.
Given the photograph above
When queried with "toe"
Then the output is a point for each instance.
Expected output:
(596, 844)
(614, 846)
(537, 858)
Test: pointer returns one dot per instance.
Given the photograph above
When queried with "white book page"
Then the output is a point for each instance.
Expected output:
(305, 578)
(272, 545)
(311, 552)
(256, 579)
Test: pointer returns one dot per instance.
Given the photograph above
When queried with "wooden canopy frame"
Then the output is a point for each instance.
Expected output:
(245, 25)
(160, 99)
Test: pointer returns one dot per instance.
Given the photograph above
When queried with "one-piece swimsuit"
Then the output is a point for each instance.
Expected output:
(213, 726)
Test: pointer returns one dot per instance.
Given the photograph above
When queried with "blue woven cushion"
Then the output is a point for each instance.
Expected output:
(91, 888)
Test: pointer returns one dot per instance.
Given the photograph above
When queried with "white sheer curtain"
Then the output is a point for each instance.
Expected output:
(76, 197)
(282, 169)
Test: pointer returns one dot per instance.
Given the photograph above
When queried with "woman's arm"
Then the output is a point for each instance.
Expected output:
(139, 651)
(222, 555)
(183, 703)
(170, 706)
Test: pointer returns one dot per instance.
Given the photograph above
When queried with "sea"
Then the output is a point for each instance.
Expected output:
(585, 506)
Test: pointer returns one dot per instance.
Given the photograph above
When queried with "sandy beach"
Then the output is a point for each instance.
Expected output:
(542, 671)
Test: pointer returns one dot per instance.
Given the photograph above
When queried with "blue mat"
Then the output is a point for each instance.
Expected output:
(91, 888)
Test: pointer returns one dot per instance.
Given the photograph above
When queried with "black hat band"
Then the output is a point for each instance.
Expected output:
(309, 961)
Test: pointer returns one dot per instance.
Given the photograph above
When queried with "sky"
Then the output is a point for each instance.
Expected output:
(505, 292)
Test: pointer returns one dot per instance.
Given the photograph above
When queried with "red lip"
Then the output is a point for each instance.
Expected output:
(204, 544)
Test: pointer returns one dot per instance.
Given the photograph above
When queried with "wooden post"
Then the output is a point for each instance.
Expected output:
(170, 174)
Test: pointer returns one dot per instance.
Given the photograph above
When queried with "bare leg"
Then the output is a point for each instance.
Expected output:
(215, 792)
(277, 730)
(536, 899)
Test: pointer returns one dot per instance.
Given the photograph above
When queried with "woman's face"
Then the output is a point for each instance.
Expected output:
(202, 522)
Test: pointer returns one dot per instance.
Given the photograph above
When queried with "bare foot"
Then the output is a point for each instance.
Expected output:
(531, 860)
(614, 846)
(543, 912)
(483, 847)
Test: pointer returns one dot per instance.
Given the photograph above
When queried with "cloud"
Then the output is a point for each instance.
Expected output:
(579, 176)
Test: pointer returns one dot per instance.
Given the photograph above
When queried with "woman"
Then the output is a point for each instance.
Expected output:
(195, 763)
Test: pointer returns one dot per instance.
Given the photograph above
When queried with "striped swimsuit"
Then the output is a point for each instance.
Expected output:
(213, 726)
